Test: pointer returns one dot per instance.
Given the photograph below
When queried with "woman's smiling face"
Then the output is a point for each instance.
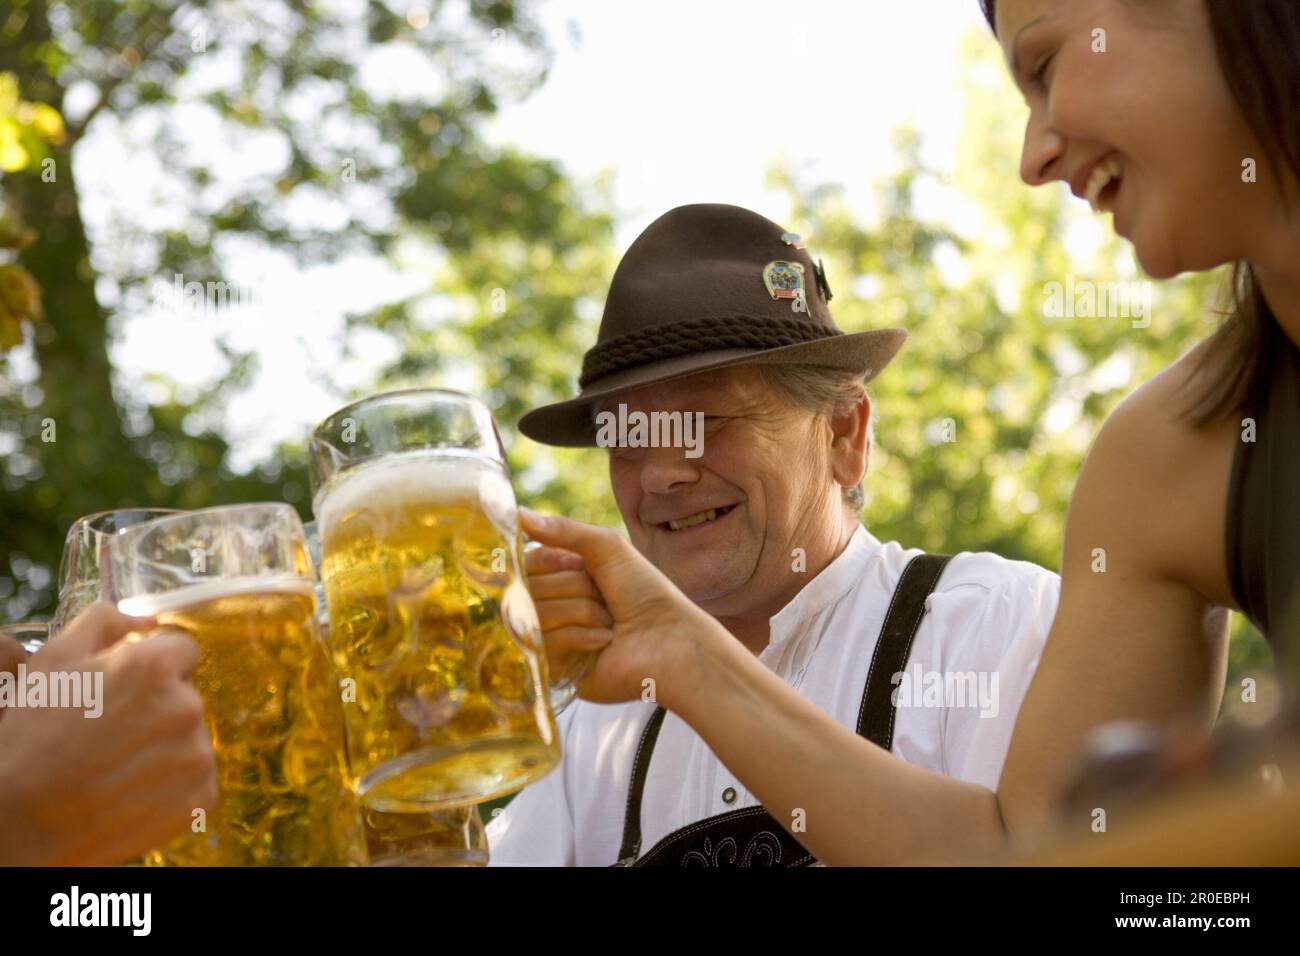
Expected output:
(1128, 106)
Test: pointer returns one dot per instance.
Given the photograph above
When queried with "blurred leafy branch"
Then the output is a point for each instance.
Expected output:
(26, 132)
(297, 89)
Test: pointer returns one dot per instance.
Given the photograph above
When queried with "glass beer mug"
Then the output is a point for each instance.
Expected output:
(84, 567)
(239, 581)
(429, 838)
(432, 626)
(32, 636)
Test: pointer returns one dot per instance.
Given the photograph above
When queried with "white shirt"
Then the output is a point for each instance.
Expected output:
(986, 620)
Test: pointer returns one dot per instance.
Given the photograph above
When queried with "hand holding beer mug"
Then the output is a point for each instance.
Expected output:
(567, 602)
(238, 581)
(17, 641)
(645, 627)
(100, 783)
(431, 623)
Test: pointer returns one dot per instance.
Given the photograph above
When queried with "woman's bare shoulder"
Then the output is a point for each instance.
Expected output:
(1154, 417)
(1166, 478)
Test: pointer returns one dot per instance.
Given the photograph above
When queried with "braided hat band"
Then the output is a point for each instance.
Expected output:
(692, 336)
(705, 287)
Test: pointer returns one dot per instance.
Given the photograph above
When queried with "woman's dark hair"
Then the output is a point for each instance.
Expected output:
(1258, 47)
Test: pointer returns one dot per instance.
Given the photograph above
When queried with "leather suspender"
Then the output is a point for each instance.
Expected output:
(894, 646)
(631, 847)
(875, 715)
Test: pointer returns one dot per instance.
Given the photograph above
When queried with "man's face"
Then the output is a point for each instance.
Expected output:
(764, 472)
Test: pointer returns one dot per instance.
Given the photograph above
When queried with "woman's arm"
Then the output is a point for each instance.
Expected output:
(1135, 637)
(857, 803)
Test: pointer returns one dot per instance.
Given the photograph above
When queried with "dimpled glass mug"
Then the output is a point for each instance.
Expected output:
(84, 571)
(239, 581)
(430, 838)
(432, 626)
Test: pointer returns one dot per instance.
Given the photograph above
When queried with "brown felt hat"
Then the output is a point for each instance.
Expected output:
(705, 287)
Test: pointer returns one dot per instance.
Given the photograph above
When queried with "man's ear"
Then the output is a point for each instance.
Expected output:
(851, 440)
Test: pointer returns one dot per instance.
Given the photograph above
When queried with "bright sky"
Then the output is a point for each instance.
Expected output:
(682, 101)
(693, 101)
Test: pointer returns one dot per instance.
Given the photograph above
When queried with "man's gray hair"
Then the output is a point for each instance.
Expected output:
(827, 391)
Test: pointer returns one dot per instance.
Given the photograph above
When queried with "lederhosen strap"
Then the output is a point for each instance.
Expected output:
(894, 646)
(751, 836)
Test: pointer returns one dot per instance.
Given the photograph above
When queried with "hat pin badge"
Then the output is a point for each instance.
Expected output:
(819, 271)
(784, 280)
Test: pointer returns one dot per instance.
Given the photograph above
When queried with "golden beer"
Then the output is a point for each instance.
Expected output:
(272, 706)
(434, 632)
(441, 838)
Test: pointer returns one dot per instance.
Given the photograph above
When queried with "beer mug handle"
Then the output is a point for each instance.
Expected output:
(564, 691)
(31, 637)
(528, 545)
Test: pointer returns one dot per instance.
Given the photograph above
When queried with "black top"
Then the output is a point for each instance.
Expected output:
(1263, 519)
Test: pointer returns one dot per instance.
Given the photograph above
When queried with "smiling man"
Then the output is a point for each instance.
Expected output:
(716, 315)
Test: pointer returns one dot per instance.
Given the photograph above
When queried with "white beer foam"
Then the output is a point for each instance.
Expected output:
(423, 477)
(148, 605)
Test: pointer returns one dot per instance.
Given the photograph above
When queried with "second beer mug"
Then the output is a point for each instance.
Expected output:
(432, 623)
(238, 580)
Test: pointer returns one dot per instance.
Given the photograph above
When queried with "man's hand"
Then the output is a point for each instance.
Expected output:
(79, 791)
(594, 590)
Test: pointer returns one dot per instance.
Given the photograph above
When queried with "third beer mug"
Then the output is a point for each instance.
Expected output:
(433, 630)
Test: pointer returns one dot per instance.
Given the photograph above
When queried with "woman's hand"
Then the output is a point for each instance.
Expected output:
(595, 592)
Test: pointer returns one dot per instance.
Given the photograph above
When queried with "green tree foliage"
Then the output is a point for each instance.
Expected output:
(516, 313)
(303, 84)
(26, 132)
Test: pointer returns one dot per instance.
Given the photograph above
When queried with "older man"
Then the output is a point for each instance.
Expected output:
(739, 434)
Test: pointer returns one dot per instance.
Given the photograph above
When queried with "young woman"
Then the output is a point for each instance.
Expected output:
(1181, 119)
